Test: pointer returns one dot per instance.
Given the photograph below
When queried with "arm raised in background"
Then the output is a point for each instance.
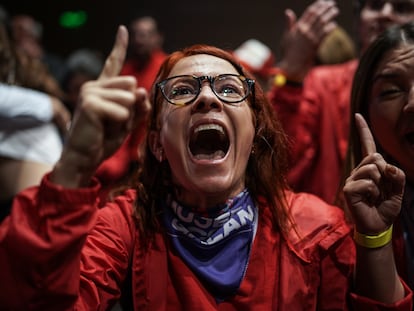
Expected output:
(303, 36)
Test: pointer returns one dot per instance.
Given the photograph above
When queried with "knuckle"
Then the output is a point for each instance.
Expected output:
(377, 156)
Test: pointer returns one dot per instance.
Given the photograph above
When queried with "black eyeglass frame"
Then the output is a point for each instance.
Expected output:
(250, 87)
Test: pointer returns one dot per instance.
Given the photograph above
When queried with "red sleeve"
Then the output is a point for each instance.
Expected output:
(106, 255)
(323, 225)
(41, 244)
(57, 249)
(363, 303)
(116, 166)
(337, 275)
(336, 270)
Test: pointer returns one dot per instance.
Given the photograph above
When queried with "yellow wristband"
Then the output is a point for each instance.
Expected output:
(281, 79)
(373, 241)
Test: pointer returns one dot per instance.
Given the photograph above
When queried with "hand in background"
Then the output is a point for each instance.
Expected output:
(303, 36)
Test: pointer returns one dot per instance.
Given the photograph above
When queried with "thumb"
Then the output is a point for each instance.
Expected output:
(290, 19)
(115, 60)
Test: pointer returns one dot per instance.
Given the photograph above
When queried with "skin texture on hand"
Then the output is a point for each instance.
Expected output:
(375, 188)
(374, 193)
(61, 115)
(108, 109)
(303, 36)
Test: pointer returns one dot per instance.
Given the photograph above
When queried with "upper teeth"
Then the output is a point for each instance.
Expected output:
(204, 127)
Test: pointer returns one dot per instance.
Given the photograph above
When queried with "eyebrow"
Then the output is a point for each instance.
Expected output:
(386, 76)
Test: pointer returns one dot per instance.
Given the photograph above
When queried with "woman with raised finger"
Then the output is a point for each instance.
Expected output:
(208, 222)
(382, 98)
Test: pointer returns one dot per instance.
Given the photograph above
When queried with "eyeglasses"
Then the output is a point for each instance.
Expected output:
(182, 90)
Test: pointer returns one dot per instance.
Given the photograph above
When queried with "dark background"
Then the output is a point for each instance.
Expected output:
(225, 23)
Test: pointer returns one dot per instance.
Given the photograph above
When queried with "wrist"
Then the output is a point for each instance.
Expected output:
(373, 241)
(282, 78)
(72, 171)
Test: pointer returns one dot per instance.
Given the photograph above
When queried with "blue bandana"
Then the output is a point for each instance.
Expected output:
(217, 246)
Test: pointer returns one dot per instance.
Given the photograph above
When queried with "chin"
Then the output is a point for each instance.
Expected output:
(218, 185)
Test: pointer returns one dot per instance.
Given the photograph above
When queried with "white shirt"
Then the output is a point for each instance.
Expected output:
(19, 105)
(40, 144)
(26, 132)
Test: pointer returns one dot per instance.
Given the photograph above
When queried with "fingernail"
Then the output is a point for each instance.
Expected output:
(391, 169)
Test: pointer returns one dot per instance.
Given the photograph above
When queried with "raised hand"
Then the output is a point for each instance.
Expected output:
(108, 109)
(302, 37)
(375, 188)
(61, 115)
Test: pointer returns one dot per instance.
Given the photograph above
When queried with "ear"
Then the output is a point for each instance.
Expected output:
(155, 145)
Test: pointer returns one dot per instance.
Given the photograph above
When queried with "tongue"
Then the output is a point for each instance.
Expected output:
(410, 138)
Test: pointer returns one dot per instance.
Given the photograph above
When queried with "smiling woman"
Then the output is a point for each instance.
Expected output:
(207, 223)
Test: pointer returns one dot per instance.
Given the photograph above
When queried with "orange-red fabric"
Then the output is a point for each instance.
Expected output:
(55, 236)
(118, 166)
(316, 119)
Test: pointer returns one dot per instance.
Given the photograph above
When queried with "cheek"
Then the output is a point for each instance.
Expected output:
(386, 112)
(245, 129)
(171, 132)
(383, 119)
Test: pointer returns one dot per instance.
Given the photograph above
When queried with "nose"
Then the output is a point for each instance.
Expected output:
(207, 100)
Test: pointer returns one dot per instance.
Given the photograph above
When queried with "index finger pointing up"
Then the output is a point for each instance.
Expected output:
(115, 60)
(365, 136)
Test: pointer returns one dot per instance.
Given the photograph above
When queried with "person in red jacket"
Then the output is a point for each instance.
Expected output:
(210, 223)
(382, 98)
(313, 102)
(145, 53)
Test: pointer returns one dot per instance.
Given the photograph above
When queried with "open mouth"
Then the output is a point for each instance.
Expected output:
(410, 138)
(209, 142)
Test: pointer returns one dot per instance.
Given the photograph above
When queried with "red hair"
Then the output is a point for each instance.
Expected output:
(266, 169)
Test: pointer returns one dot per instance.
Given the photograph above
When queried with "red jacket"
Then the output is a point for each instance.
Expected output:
(316, 118)
(43, 255)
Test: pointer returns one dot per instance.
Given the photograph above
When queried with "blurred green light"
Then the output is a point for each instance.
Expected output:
(72, 19)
